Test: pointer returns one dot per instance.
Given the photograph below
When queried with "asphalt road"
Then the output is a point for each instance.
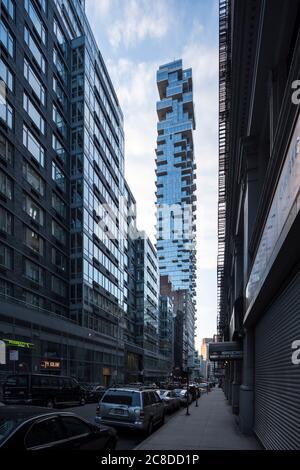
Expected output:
(127, 439)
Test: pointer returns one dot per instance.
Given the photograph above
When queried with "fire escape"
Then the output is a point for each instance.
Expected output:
(224, 124)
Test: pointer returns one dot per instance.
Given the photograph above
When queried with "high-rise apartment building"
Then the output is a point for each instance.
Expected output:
(175, 176)
(147, 304)
(62, 214)
(175, 196)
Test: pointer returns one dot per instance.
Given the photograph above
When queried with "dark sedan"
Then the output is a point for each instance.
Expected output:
(93, 393)
(34, 428)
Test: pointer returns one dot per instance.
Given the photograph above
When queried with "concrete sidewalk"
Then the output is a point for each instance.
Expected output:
(211, 426)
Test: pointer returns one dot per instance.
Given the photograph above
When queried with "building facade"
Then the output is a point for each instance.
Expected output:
(62, 214)
(166, 332)
(258, 265)
(184, 323)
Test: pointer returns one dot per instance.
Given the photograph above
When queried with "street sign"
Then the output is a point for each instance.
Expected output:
(225, 351)
(18, 344)
(13, 355)
(2, 352)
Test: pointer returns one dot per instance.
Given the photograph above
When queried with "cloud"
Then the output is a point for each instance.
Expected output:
(127, 23)
(99, 8)
(138, 20)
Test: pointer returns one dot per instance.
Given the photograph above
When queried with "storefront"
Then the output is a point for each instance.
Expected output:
(273, 306)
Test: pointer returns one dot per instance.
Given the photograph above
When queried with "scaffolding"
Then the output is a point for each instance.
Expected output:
(224, 123)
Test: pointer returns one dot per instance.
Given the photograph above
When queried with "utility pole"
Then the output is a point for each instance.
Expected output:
(187, 392)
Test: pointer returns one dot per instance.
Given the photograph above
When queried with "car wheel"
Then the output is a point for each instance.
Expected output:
(50, 403)
(162, 422)
(110, 445)
(82, 401)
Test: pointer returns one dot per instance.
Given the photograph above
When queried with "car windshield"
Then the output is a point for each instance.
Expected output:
(16, 381)
(122, 398)
(7, 425)
(162, 392)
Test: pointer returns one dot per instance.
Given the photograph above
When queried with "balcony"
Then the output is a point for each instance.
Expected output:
(175, 91)
(163, 107)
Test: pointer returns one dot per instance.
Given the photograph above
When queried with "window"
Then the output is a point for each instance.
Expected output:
(59, 233)
(33, 210)
(58, 148)
(59, 260)
(6, 149)
(10, 7)
(57, 88)
(5, 221)
(43, 433)
(6, 256)
(7, 39)
(32, 299)
(37, 55)
(33, 113)
(58, 286)
(6, 289)
(61, 69)
(59, 121)
(6, 114)
(59, 205)
(75, 427)
(34, 272)
(77, 86)
(6, 185)
(43, 4)
(34, 241)
(6, 75)
(60, 37)
(36, 20)
(122, 398)
(58, 310)
(58, 177)
(33, 178)
(34, 82)
(33, 146)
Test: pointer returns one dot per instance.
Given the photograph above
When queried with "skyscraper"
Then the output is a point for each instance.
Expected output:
(176, 185)
(175, 172)
(62, 215)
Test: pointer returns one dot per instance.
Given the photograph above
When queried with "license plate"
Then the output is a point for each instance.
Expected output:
(118, 411)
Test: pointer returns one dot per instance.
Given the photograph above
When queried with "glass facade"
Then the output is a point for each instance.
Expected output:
(175, 195)
(62, 181)
(175, 176)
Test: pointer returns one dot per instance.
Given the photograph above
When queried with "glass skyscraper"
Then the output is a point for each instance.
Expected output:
(62, 214)
(176, 175)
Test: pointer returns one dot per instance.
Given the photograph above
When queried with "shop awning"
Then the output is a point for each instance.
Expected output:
(225, 351)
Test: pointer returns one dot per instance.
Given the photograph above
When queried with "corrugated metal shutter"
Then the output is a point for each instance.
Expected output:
(277, 379)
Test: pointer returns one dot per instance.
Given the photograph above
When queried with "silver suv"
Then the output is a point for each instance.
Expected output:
(135, 408)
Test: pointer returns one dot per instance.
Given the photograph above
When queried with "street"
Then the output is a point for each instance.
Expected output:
(127, 439)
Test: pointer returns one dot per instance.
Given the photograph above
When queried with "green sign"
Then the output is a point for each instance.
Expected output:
(18, 344)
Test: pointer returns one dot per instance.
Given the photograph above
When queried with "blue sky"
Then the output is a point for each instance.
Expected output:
(135, 37)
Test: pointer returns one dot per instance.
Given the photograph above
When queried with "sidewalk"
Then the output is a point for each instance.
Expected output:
(211, 426)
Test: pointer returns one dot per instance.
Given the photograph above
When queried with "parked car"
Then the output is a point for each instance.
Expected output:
(203, 386)
(34, 428)
(183, 396)
(170, 399)
(93, 392)
(134, 408)
(43, 390)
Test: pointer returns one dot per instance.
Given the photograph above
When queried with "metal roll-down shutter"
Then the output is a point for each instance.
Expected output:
(277, 379)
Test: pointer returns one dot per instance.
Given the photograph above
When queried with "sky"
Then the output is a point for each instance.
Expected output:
(135, 37)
